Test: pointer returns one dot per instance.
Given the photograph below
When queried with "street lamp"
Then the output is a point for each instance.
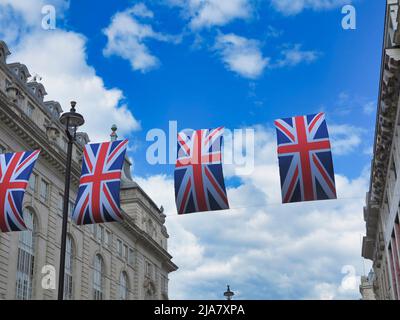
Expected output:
(71, 120)
(229, 294)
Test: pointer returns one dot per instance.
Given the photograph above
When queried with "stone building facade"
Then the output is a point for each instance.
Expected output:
(367, 287)
(127, 260)
(381, 213)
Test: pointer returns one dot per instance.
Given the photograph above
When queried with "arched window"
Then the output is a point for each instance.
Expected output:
(123, 286)
(69, 268)
(98, 278)
(26, 258)
(150, 228)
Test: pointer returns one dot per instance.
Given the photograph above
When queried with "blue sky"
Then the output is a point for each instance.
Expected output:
(239, 63)
(192, 85)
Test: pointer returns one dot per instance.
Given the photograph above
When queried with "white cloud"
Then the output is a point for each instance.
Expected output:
(292, 7)
(241, 55)
(59, 57)
(345, 138)
(209, 13)
(262, 248)
(126, 37)
(140, 10)
(273, 32)
(347, 103)
(294, 56)
(345, 290)
(369, 107)
(245, 57)
(369, 151)
(30, 11)
(20, 16)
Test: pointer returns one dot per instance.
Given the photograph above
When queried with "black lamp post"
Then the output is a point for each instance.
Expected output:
(71, 120)
(229, 294)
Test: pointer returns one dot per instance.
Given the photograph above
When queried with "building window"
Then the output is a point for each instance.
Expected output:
(26, 259)
(150, 228)
(71, 208)
(64, 145)
(164, 284)
(98, 278)
(107, 238)
(123, 286)
(44, 190)
(60, 202)
(32, 181)
(99, 233)
(149, 270)
(119, 248)
(69, 265)
(395, 243)
(29, 110)
(131, 257)
(125, 252)
(393, 272)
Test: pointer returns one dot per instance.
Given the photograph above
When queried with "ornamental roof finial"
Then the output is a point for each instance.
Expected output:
(113, 134)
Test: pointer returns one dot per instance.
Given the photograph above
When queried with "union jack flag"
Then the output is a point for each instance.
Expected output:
(199, 179)
(15, 170)
(305, 159)
(98, 194)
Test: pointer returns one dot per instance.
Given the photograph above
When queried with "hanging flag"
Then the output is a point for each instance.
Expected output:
(199, 179)
(15, 170)
(305, 159)
(99, 186)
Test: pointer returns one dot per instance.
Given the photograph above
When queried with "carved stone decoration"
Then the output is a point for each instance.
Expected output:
(4, 52)
(162, 215)
(12, 93)
(82, 138)
(150, 289)
(53, 134)
(164, 231)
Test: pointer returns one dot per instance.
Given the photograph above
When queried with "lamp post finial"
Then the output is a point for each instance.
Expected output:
(113, 134)
(73, 104)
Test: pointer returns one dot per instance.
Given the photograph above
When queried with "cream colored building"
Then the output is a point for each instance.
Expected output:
(128, 260)
(381, 213)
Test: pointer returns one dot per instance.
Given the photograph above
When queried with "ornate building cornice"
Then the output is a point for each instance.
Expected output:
(22, 126)
(385, 126)
(386, 120)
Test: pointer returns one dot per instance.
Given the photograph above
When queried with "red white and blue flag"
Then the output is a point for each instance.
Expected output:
(15, 170)
(98, 197)
(305, 159)
(199, 179)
